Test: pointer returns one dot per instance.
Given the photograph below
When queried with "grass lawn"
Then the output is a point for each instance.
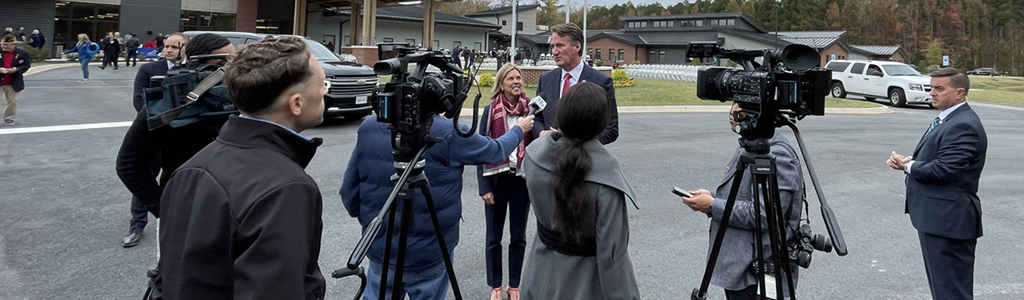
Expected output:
(997, 89)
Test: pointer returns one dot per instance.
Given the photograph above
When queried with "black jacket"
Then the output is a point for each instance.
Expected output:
(111, 46)
(242, 219)
(21, 63)
(174, 145)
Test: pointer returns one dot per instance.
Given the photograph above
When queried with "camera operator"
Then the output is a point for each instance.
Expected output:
(734, 269)
(367, 183)
(167, 146)
(242, 219)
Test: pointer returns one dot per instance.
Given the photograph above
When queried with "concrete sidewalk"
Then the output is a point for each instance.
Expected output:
(717, 109)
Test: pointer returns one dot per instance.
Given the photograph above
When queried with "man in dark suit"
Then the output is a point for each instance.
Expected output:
(942, 187)
(567, 49)
(14, 63)
(172, 55)
(733, 271)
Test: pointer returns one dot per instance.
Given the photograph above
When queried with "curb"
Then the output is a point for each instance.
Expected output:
(721, 109)
(40, 69)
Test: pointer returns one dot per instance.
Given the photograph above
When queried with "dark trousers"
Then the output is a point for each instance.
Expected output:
(749, 293)
(510, 196)
(950, 266)
(140, 215)
(109, 58)
(133, 57)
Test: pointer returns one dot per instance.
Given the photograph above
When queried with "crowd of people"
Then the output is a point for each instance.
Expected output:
(258, 236)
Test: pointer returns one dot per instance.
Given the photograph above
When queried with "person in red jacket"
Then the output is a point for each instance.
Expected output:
(15, 62)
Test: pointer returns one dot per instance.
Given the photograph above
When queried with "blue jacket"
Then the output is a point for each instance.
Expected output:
(367, 183)
(84, 51)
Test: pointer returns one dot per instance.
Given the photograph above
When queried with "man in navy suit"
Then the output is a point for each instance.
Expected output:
(942, 187)
(173, 54)
(567, 49)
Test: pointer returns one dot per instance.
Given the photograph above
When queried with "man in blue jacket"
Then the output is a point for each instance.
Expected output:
(14, 63)
(367, 183)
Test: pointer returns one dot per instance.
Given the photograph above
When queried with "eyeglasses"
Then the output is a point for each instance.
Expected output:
(327, 84)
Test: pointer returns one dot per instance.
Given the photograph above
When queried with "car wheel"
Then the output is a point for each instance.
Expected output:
(897, 97)
(838, 91)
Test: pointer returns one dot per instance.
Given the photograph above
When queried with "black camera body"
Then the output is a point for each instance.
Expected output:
(788, 82)
(806, 242)
(409, 101)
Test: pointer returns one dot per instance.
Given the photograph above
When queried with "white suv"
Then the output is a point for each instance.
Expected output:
(871, 79)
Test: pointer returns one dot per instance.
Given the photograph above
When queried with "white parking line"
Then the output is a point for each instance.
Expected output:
(5, 131)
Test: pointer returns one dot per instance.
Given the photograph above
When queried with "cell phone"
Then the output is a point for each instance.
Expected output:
(681, 192)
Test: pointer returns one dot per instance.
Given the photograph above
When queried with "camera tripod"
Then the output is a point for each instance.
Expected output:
(412, 177)
(757, 156)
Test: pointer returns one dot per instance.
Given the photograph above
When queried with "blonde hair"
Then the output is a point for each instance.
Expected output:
(83, 38)
(500, 77)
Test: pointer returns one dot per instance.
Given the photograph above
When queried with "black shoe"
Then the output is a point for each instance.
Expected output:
(133, 238)
(103, 68)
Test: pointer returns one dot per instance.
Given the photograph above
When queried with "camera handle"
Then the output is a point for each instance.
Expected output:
(766, 184)
(412, 177)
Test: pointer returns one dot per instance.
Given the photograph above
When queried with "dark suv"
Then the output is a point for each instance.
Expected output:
(982, 71)
(351, 83)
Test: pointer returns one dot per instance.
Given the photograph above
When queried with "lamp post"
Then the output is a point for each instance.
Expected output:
(568, 8)
(515, 27)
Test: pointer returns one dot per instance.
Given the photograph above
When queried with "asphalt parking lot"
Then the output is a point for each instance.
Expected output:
(63, 211)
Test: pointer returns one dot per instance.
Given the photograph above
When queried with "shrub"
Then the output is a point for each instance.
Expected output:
(73, 56)
(486, 80)
(624, 83)
(599, 63)
(619, 75)
(36, 54)
(635, 62)
(531, 85)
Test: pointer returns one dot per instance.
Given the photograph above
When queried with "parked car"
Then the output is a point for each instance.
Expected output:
(898, 82)
(982, 71)
(351, 83)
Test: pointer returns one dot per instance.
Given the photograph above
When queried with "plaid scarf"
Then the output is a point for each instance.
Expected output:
(501, 107)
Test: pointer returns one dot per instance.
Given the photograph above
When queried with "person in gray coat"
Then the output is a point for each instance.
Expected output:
(733, 271)
(581, 249)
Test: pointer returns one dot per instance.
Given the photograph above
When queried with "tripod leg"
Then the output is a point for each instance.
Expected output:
(441, 243)
(781, 227)
(398, 292)
(701, 293)
(758, 237)
(386, 264)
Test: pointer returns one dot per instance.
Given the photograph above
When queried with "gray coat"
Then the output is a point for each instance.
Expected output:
(553, 275)
(732, 270)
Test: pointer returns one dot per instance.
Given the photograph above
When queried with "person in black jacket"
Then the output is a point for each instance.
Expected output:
(144, 152)
(14, 62)
(111, 50)
(242, 219)
(131, 45)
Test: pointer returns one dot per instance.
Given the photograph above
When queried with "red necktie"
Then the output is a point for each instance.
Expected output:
(566, 85)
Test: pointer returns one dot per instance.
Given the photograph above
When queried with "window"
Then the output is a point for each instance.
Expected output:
(590, 52)
(622, 54)
(197, 20)
(611, 54)
(389, 40)
(478, 46)
(700, 23)
(456, 44)
(95, 20)
(597, 54)
(346, 41)
(650, 57)
(714, 22)
(661, 56)
(671, 24)
(731, 22)
(270, 26)
(837, 66)
(643, 24)
(504, 22)
(657, 24)
(858, 68)
(437, 44)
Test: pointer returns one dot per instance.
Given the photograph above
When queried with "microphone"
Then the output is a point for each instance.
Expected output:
(537, 104)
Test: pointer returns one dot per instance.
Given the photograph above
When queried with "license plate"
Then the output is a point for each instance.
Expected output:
(360, 99)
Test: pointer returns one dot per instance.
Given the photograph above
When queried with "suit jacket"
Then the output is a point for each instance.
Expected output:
(21, 63)
(942, 187)
(551, 85)
(146, 71)
(732, 270)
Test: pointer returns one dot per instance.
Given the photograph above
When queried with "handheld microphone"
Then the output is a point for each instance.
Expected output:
(537, 104)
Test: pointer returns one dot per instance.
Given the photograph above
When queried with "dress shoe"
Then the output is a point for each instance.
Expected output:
(133, 238)
(513, 293)
(496, 294)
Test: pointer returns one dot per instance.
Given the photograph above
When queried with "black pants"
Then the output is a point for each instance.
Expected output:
(949, 264)
(109, 58)
(133, 57)
(749, 293)
(140, 215)
(511, 196)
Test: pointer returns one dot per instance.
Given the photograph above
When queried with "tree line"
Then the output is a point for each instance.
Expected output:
(973, 33)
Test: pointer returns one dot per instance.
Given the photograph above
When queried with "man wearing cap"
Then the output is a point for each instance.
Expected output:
(15, 62)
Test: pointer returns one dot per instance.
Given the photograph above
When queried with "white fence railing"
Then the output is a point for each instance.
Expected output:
(687, 73)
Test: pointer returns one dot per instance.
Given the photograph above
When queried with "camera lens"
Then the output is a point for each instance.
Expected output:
(821, 243)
